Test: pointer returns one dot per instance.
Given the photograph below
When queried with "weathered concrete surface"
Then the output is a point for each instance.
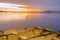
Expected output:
(30, 33)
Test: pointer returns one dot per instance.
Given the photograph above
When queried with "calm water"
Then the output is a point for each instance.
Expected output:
(45, 20)
(49, 20)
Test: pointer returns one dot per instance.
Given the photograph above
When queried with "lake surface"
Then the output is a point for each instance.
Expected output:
(44, 20)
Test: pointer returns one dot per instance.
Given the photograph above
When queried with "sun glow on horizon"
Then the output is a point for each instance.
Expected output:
(15, 16)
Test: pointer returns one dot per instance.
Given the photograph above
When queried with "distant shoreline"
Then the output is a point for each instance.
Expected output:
(33, 11)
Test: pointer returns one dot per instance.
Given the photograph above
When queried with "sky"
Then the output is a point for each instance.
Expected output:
(53, 5)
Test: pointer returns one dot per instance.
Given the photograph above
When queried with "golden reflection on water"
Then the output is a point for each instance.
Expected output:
(13, 16)
(17, 16)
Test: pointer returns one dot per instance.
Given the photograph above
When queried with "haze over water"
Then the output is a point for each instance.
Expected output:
(49, 20)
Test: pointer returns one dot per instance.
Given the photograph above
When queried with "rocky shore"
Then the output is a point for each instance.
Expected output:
(30, 33)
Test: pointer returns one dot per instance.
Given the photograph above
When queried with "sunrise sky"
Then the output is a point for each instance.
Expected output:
(53, 5)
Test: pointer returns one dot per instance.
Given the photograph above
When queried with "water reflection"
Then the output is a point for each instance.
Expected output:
(12, 16)
(49, 20)
(44, 20)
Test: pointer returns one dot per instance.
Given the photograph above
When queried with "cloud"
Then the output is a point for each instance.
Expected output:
(44, 4)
